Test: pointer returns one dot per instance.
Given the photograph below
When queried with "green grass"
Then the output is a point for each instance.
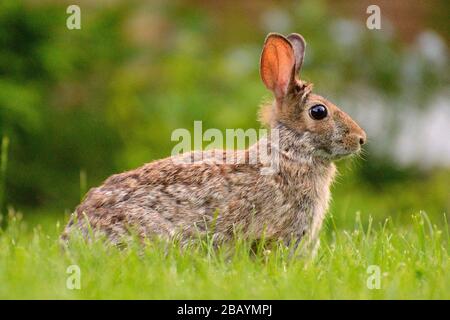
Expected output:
(365, 227)
(413, 259)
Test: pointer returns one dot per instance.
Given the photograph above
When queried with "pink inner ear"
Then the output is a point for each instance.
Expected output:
(277, 63)
(286, 62)
(269, 66)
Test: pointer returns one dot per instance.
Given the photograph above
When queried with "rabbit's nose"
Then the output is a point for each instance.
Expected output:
(362, 140)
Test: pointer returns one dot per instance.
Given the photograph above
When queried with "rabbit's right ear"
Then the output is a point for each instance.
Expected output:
(277, 64)
(299, 45)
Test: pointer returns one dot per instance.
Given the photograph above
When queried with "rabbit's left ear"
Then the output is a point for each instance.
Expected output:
(277, 64)
(299, 45)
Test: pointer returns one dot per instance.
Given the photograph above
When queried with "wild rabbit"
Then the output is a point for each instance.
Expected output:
(195, 193)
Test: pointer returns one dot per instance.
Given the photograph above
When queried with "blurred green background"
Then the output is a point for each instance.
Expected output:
(80, 105)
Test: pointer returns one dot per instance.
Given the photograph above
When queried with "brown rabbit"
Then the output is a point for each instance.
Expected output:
(199, 192)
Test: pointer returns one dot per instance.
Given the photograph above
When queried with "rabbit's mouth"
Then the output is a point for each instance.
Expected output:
(346, 153)
(337, 154)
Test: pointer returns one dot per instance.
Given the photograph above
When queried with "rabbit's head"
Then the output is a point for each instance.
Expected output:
(328, 131)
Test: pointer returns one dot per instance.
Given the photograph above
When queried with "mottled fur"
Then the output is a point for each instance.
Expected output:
(175, 198)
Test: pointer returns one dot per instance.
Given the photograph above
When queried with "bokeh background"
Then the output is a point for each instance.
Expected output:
(80, 105)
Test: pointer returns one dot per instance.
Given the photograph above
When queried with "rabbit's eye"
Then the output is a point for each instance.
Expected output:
(318, 112)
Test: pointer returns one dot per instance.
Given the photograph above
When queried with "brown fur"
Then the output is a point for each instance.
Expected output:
(169, 198)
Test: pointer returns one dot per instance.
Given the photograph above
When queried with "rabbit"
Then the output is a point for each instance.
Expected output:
(196, 193)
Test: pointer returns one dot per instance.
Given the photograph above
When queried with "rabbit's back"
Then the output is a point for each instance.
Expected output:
(168, 198)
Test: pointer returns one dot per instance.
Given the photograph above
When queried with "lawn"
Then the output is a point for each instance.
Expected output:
(361, 257)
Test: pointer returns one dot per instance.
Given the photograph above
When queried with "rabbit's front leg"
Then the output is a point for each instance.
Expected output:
(304, 243)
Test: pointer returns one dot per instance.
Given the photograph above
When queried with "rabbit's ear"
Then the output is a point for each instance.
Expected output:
(277, 64)
(299, 45)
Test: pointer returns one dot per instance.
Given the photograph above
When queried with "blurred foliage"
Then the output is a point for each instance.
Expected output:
(106, 98)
